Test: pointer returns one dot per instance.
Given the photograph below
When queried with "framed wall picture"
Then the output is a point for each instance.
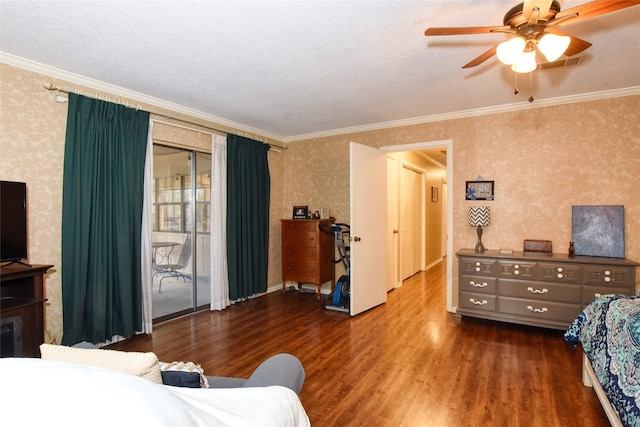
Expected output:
(434, 194)
(300, 212)
(479, 190)
(598, 230)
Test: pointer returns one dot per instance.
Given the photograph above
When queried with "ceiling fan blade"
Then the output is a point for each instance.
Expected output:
(558, 21)
(452, 31)
(532, 10)
(480, 59)
(596, 8)
(576, 45)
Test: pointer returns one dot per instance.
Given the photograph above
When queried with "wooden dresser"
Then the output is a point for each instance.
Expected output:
(307, 253)
(548, 291)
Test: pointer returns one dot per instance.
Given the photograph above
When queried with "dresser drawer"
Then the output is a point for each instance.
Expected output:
(300, 253)
(301, 238)
(609, 275)
(473, 301)
(589, 293)
(539, 291)
(541, 310)
(302, 272)
(478, 284)
(299, 226)
(478, 266)
(561, 273)
(517, 270)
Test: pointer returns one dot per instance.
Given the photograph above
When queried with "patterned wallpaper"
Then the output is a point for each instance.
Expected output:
(32, 130)
(543, 161)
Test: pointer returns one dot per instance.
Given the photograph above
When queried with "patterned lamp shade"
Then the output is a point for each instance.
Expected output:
(479, 216)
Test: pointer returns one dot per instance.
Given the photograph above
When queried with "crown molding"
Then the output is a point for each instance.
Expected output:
(160, 103)
(615, 93)
(98, 85)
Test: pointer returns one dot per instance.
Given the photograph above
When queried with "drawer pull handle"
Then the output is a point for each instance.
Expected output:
(517, 272)
(607, 273)
(478, 285)
(537, 310)
(537, 291)
(477, 268)
(608, 279)
(472, 301)
(560, 276)
(478, 263)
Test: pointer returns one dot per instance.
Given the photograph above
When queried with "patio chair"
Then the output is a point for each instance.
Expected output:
(177, 269)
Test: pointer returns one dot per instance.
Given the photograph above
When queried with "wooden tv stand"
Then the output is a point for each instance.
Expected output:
(22, 309)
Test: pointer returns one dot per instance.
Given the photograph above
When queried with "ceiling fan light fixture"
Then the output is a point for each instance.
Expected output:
(509, 51)
(526, 62)
(553, 46)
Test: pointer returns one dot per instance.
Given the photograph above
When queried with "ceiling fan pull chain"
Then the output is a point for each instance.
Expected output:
(530, 86)
(515, 92)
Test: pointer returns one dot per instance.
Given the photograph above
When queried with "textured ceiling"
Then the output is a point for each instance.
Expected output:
(294, 69)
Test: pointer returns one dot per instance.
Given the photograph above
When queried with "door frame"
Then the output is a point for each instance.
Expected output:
(448, 144)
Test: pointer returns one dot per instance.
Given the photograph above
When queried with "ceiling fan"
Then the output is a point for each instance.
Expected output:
(534, 25)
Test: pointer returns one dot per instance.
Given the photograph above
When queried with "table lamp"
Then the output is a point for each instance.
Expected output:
(479, 217)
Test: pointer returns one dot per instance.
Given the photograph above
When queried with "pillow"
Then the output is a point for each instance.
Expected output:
(183, 374)
(145, 365)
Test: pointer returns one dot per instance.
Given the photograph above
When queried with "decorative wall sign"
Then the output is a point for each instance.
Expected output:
(598, 230)
(300, 212)
(479, 190)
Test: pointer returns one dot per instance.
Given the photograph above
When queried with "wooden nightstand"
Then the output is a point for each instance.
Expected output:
(307, 253)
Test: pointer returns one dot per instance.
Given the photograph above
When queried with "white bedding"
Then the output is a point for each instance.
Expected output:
(47, 392)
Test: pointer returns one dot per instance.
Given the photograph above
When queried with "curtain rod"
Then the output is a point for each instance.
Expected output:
(77, 91)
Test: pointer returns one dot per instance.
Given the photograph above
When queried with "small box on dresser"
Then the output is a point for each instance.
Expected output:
(538, 290)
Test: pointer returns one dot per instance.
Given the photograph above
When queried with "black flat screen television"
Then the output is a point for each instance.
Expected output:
(13, 221)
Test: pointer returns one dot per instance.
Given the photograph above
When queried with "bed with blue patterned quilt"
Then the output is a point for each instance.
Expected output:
(609, 331)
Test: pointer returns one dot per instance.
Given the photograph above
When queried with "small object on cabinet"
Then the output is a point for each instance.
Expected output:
(537, 247)
(479, 216)
(300, 212)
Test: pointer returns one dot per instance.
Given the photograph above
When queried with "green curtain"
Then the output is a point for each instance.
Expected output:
(248, 192)
(102, 199)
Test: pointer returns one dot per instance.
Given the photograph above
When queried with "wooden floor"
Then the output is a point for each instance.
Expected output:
(405, 363)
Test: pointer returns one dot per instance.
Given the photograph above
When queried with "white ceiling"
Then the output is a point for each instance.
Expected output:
(294, 69)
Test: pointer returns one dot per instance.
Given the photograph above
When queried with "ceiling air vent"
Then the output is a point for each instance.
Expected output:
(562, 63)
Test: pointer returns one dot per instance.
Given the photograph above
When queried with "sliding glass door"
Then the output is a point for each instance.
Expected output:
(181, 231)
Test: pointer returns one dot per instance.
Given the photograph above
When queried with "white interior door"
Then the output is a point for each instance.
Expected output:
(392, 223)
(406, 213)
(368, 189)
(412, 221)
(418, 221)
(444, 220)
